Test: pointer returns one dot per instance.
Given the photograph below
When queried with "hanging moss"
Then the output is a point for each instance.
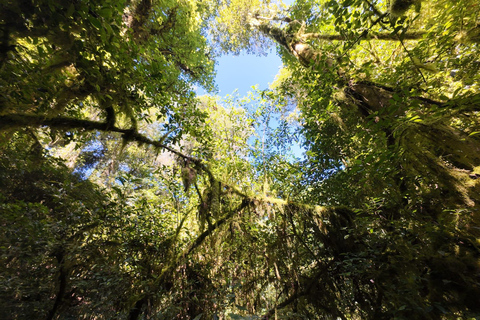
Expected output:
(215, 198)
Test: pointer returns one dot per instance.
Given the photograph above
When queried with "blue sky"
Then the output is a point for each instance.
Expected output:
(244, 71)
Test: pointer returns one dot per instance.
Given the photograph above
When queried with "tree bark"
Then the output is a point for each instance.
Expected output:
(60, 255)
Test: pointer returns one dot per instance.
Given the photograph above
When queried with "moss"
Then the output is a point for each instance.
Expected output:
(399, 7)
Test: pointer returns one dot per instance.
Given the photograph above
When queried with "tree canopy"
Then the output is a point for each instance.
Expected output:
(126, 195)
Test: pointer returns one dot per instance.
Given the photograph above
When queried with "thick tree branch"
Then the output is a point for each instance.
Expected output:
(380, 36)
(24, 120)
(138, 21)
(18, 121)
(284, 304)
(137, 308)
(62, 278)
(374, 9)
(139, 16)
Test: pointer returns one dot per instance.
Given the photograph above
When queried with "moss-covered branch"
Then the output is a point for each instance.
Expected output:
(16, 121)
(385, 36)
(179, 259)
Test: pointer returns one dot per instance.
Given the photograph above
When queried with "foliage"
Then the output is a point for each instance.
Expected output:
(385, 134)
(123, 195)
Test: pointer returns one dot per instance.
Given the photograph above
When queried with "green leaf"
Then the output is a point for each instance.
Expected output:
(415, 119)
(70, 10)
(95, 22)
(105, 12)
(40, 51)
(198, 317)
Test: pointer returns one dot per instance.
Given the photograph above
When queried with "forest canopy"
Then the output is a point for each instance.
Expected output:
(124, 194)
